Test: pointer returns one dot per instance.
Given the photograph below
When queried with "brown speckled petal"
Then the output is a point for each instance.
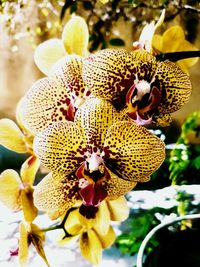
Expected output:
(56, 193)
(95, 116)
(132, 152)
(45, 103)
(175, 85)
(117, 187)
(68, 73)
(60, 147)
(109, 72)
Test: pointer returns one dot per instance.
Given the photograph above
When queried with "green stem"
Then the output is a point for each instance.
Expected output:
(158, 227)
(61, 225)
(51, 228)
(175, 56)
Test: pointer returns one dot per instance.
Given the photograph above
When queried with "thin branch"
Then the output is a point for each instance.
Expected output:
(175, 56)
(158, 227)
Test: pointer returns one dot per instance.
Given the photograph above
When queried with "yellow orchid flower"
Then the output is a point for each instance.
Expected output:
(173, 40)
(148, 89)
(74, 40)
(94, 158)
(95, 234)
(30, 234)
(55, 98)
(16, 190)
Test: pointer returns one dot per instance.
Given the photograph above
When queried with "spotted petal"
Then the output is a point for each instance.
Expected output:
(175, 85)
(60, 147)
(107, 74)
(117, 187)
(132, 152)
(110, 73)
(56, 193)
(67, 72)
(95, 116)
(46, 102)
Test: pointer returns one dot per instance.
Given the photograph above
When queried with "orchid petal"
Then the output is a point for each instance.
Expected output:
(67, 73)
(21, 122)
(47, 53)
(29, 210)
(174, 33)
(175, 85)
(108, 239)
(75, 36)
(132, 152)
(23, 244)
(56, 193)
(118, 208)
(10, 184)
(45, 103)
(11, 136)
(37, 238)
(173, 40)
(94, 117)
(162, 120)
(185, 64)
(102, 219)
(116, 187)
(73, 226)
(90, 246)
(29, 169)
(60, 147)
(109, 72)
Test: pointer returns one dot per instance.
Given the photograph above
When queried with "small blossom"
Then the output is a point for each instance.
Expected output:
(148, 89)
(173, 40)
(57, 97)
(96, 157)
(95, 234)
(30, 234)
(16, 190)
(74, 40)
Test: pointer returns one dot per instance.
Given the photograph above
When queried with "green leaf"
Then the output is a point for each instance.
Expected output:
(196, 163)
(117, 42)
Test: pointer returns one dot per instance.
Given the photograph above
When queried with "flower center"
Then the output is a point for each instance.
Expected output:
(92, 174)
(142, 99)
(94, 161)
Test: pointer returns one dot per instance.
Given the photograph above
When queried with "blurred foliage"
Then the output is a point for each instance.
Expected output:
(141, 221)
(10, 159)
(185, 157)
(103, 18)
(135, 228)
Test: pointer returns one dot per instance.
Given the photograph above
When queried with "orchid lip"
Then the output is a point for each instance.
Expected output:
(94, 161)
(141, 100)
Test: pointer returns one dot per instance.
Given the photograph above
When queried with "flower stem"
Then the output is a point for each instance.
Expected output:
(158, 227)
(175, 56)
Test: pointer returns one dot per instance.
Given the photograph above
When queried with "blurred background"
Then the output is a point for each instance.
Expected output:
(26, 23)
